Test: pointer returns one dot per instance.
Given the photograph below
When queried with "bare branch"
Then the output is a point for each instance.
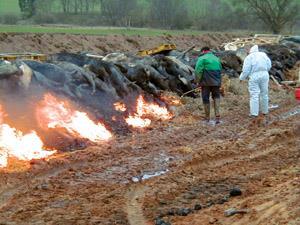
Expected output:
(275, 13)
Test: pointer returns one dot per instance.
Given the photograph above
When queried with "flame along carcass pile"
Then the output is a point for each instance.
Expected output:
(57, 105)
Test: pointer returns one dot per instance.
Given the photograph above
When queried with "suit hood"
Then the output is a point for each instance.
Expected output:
(254, 49)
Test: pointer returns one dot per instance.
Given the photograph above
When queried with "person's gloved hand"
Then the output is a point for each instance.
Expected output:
(198, 89)
(194, 85)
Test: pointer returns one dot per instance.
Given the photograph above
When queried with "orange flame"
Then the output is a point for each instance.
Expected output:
(145, 109)
(55, 113)
(137, 121)
(152, 109)
(119, 106)
(23, 147)
(171, 100)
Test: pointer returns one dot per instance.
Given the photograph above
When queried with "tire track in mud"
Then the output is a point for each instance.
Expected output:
(136, 194)
(134, 206)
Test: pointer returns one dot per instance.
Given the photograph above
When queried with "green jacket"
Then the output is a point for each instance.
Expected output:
(208, 70)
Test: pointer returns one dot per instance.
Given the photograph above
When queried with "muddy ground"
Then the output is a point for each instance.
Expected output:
(53, 43)
(201, 163)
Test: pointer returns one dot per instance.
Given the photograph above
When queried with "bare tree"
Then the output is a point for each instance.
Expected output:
(161, 12)
(90, 5)
(276, 14)
(27, 7)
(118, 12)
(65, 4)
(168, 13)
(44, 6)
(76, 6)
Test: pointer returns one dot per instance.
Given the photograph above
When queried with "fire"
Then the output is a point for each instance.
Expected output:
(145, 109)
(119, 106)
(171, 100)
(137, 121)
(152, 109)
(55, 113)
(23, 147)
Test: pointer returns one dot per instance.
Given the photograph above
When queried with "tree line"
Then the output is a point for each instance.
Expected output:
(273, 15)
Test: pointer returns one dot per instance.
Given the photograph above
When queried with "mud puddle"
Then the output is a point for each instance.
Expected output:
(293, 112)
(149, 175)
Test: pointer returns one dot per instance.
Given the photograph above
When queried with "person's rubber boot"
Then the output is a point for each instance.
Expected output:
(217, 110)
(266, 119)
(253, 121)
(207, 112)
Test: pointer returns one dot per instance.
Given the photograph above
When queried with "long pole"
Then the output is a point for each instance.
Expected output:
(197, 88)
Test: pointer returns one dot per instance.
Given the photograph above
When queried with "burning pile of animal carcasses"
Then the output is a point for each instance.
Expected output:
(107, 94)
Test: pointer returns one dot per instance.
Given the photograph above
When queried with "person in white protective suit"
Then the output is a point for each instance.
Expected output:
(256, 69)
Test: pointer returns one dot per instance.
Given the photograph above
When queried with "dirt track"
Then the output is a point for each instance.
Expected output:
(95, 186)
(202, 163)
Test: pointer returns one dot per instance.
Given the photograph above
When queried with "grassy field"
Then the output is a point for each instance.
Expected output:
(9, 6)
(93, 30)
(12, 6)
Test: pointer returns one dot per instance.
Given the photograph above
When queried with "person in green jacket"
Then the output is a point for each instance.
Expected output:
(208, 75)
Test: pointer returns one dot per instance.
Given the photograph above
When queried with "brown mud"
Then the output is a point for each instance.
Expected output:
(54, 43)
(105, 184)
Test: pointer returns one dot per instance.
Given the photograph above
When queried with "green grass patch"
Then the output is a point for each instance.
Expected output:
(94, 30)
(9, 6)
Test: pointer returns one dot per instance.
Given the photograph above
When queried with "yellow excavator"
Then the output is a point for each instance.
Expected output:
(156, 50)
(24, 56)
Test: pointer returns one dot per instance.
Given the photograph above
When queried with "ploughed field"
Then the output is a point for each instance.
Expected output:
(177, 171)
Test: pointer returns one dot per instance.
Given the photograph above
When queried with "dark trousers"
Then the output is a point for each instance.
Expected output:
(206, 90)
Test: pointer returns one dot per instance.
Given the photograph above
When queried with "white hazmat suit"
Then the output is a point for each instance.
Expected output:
(255, 68)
